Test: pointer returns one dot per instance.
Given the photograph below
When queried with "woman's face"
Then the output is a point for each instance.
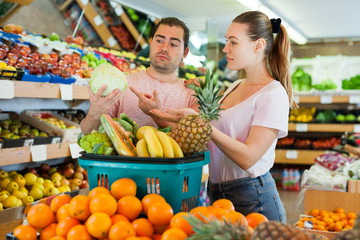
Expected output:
(239, 48)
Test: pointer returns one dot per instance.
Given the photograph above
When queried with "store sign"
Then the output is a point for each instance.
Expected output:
(111, 41)
(301, 127)
(84, 2)
(291, 154)
(38, 153)
(356, 127)
(326, 99)
(98, 21)
(6, 89)
(119, 11)
(66, 92)
(354, 99)
(75, 150)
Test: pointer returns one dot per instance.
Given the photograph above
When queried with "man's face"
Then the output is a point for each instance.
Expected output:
(167, 48)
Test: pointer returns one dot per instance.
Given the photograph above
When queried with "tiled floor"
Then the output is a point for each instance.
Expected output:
(293, 203)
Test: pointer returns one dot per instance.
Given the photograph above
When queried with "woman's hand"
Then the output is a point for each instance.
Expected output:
(173, 115)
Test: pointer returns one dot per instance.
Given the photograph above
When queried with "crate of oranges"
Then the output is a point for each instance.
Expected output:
(326, 222)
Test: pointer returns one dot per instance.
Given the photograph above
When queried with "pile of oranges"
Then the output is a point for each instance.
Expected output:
(119, 215)
(324, 220)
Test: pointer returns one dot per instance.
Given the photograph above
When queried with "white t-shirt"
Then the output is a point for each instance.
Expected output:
(268, 107)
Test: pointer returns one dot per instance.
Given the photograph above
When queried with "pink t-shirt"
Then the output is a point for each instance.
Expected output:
(268, 107)
(171, 95)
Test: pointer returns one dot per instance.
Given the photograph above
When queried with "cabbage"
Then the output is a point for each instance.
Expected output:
(106, 74)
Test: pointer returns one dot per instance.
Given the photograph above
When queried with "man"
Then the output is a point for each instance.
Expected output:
(157, 87)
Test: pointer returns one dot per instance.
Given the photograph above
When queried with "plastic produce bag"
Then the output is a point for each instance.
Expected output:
(333, 161)
(321, 178)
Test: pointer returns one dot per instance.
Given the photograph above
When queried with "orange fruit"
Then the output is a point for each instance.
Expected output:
(121, 230)
(160, 229)
(214, 213)
(133, 238)
(342, 215)
(25, 232)
(324, 213)
(351, 215)
(58, 201)
(78, 232)
(315, 212)
(129, 206)
(224, 204)
(57, 238)
(336, 218)
(79, 207)
(178, 221)
(339, 210)
(63, 212)
(157, 237)
(98, 224)
(65, 225)
(103, 202)
(174, 234)
(123, 187)
(149, 199)
(48, 232)
(143, 227)
(145, 238)
(255, 219)
(160, 213)
(95, 191)
(40, 216)
(199, 212)
(234, 217)
(118, 217)
(337, 227)
(351, 222)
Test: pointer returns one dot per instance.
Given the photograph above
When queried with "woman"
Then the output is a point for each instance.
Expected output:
(255, 115)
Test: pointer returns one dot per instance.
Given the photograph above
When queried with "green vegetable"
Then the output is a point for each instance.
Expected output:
(301, 80)
(327, 84)
(106, 74)
(326, 116)
(97, 143)
(352, 83)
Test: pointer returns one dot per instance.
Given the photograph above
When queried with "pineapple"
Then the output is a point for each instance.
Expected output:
(193, 131)
(216, 230)
(273, 230)
(353, 234)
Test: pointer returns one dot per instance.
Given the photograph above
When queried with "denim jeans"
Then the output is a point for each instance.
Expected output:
(251, 195)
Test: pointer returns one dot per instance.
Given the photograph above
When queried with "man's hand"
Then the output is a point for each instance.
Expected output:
(173, 115)
(146, 101)
(100, 105)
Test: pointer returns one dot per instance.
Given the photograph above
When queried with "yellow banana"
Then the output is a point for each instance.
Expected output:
(142, 149)
(140, 131)
(177, 149)
(153, 143)
(166, 144)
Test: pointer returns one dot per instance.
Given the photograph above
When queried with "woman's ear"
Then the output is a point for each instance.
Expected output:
(259, 45)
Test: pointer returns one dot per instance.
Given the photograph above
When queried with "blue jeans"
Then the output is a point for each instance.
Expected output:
(251, 195)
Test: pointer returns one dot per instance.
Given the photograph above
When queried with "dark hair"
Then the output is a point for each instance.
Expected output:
(277, 50)
(172, 21)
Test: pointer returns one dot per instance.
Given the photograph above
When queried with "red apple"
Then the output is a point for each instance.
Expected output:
(15, 52)
(71, 70)
(75, 57)
(84, 184)
(54, 56)
(13, 56)
(64, 73)
(78, 40)
(69, 39)
(55, 71)
(68, 172)
(34, 56)
(5, 47)
(44, 167)
(2, 53)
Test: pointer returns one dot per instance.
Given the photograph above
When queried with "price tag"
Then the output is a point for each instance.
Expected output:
(301, 127)
(354, 99)
(28, 142)
(38, 153)
(356, 127)
(113, 4)
(98, 21)
(55, 140)
(1, 145)
(297, 99)
(119, 11)
(325, 99)
(66, 92)
(111, 41)
(206, 169)
(132, 66)
(291, 154)
(84, 2)
(6, 89)
(75, 150)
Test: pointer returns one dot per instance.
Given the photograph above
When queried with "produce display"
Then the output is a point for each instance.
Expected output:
(322, 143)
(301, 81)
(308, 115)
(15, 129)
(20, 188)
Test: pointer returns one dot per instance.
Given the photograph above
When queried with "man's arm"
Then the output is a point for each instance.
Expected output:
(98, 106)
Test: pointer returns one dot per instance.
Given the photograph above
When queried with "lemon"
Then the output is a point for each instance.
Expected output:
(9, 68)
(3, 65)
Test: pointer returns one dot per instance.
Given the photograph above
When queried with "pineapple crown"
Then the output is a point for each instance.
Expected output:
(207, 94)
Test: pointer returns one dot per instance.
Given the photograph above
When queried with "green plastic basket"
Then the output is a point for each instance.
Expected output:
(178, 180)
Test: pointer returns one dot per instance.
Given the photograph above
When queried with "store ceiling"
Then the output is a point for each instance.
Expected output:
(317, 20)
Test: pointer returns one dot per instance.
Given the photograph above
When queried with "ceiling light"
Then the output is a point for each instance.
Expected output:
(257, 5)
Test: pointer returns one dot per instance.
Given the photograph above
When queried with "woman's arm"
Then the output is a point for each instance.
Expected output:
(245, 155)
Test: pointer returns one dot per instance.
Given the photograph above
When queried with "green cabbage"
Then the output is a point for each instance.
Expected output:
(106, 74)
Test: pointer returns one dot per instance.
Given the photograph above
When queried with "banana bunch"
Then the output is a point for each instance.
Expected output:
(155, 143)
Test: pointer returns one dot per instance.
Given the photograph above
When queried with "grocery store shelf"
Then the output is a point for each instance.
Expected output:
(99, 26)
(328, 99)
(17, 155)
(132, 29)
(46, 90)
(322, 127)
(306, 157)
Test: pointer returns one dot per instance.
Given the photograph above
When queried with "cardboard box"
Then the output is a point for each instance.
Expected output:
(354, 186)
(69, 135)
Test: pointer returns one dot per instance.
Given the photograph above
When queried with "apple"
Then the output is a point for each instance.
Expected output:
(16, 46)
(45, 56)
(62, 63)
(64, 73)
(13, 55)
(54, 56)
(88, 72)
(78, 40)
(84, 184)
(76, 65)
(44, 67)
(10, 28)
(24, 53)
(75, 57)
(5, 47)
(80, 72)
(71, 70)
(69, 172)
(84, 64)
(15, 52)
(67, 58)
(44, 168)
(69, 39)
(31, 170)
(34, 56)
(55, 71)
(2, 53)
(18, 29)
